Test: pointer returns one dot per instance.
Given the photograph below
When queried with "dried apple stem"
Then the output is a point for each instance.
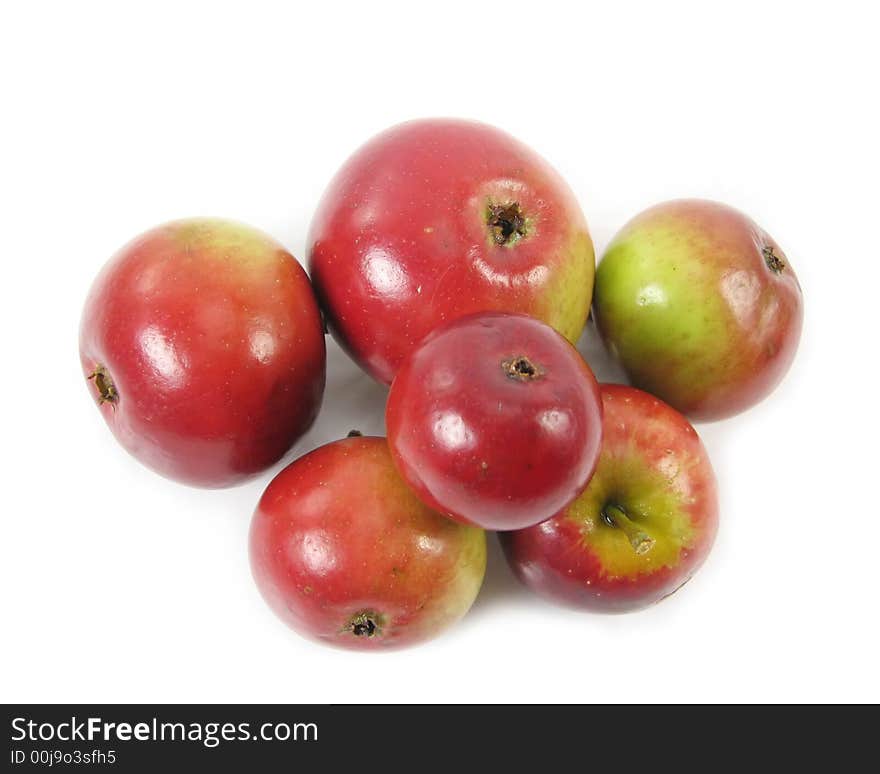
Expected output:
(640, 540)
(107, 392)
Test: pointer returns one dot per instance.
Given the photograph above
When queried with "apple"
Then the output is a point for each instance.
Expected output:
(439, 218)
(701, 307)
(345, 553)
(495, 420)
(643, 525)
(201, 343)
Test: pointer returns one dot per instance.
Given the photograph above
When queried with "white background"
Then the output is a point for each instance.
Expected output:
(120, 586)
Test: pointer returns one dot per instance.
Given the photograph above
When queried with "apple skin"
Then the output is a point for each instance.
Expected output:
(484, 443)
(401, 240)
(345, 553)
(201, 343)
(701, 307)
(654, 467)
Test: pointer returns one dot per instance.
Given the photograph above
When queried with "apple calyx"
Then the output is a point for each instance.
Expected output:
(773, 261)
(506, 223)
(522, 369)
(354, 434)
(107, 392)
(614, 516)
(364, 624)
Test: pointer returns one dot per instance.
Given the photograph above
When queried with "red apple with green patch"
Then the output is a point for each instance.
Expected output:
(641, 528)
(201, 344)
(701, 307)
(439, 218)
(345, 553)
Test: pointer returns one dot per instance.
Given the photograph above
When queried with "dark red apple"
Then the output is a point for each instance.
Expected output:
(345, 553)
(643, 525)
(701, 307)
(495, 420)
(201, 343)
(439, 218)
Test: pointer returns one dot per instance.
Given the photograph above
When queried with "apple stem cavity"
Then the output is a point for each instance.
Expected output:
(506, 223)
(522, 369)
(364, 624)
(615, 516)
(107, 392)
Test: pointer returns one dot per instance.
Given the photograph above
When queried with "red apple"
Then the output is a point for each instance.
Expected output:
(495, 420)
(643, 525)
(345, 553)
(701, 307)
(435, 219)
(201, 343)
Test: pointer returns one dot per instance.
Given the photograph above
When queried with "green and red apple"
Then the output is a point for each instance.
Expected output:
(701, 307)
(344, 552)
(641, 528)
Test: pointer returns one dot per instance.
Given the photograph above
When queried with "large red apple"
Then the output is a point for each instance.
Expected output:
(435, 219)
(345, 553)
(700, 305)
(495, 420)
(201, 343)
(643, 525)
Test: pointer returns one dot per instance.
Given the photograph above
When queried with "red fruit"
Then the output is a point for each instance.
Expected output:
(343, 551)
(495, 420)
(436, 219)
(641, 528)
(202, 345)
